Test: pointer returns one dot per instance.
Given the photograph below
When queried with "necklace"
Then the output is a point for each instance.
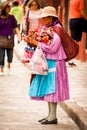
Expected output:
(4, 20)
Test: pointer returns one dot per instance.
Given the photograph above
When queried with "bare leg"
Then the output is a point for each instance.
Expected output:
(8, 66)
(1, 69)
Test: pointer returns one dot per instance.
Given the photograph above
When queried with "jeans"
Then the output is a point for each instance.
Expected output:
(9, 53)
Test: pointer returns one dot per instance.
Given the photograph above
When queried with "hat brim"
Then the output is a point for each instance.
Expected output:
(46, 15)
(4, 5)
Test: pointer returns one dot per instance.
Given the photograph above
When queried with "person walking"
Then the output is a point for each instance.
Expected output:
(31, 16)
(77, 23)
(16, 10)
(52, 88)
(7, 25)
(33, 24)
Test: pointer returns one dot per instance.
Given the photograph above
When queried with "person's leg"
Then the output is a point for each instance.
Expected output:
(47, 115)
(9, 57)
(52, 111)
(76, 33)
(48, 109)
(2, 56)
(51, 119)
(82, 54)
(84, 25)
(75, 29)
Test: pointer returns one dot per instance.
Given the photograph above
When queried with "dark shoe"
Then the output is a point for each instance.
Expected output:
(71, 64)
(41, 120)
(49, 122)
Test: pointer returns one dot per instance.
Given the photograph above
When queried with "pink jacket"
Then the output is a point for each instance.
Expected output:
(55, 50)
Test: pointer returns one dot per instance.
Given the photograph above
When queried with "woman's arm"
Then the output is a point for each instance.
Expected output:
(82, 9)
(54, 46)
(83, 14)
(18, 33)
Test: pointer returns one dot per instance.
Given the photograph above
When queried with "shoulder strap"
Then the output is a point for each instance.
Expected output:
(27, 15)
(70, 47)
(27, 22)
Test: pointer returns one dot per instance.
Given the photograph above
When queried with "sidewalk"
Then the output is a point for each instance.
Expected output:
(76, 107)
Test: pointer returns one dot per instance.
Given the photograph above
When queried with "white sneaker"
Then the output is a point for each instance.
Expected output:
(8, 71)
(1, 73)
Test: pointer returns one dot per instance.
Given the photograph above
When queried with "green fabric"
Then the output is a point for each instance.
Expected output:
(17, 12)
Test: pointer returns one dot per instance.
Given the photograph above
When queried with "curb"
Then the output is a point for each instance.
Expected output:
(77, 113)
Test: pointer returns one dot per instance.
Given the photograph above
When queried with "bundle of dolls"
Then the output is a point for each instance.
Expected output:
(28, 52)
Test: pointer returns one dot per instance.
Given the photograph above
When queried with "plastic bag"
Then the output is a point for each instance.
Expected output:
(38, 63)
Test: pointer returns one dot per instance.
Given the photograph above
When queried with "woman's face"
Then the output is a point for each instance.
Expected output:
(34, 6)
(47, 20)
(8, 9)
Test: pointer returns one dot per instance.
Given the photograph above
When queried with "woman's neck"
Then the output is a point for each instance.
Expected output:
(3, 16)
(34, 10)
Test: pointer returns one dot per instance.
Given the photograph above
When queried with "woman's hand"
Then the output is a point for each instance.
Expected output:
(19, 37)
(33, 41)
(18, 33)
(24, 28)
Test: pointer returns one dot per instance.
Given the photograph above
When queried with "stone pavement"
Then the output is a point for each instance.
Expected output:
(76, 107)
(17, 111)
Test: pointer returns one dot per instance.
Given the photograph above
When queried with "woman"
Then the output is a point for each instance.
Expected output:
(78, 24)
(7, 25)
(31, 23)
(31, 16)
(77, 19)
(53, 87)
(16, 10)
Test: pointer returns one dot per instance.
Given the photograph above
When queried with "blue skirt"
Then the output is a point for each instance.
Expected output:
(44, 84)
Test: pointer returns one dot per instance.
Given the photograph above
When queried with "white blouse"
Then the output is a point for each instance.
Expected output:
(33, 19)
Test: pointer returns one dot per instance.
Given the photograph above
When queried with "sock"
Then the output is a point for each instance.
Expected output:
(52, 113)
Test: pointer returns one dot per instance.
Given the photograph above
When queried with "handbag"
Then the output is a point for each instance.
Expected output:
(27, 23)
(70, 47)
(38, 63)
(6, 41)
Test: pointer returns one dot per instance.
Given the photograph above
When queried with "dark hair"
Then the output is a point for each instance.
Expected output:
(55, 21)
(15, 3)
(30, 3)
(3, 12)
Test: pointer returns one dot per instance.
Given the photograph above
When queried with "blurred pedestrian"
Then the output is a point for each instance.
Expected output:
(53, 87)
(31, 16)
(77, 22)
(7, 25)
(16, 10)
(31, 23)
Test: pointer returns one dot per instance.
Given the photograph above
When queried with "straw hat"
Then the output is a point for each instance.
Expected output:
(48, 11)
(4, 5)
